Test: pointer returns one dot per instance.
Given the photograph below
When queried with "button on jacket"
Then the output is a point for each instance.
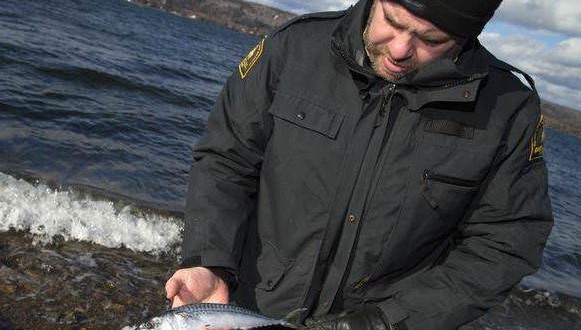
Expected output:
(321, 185)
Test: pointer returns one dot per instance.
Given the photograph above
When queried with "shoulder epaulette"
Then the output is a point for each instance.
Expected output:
(307, 17)
(497, 63)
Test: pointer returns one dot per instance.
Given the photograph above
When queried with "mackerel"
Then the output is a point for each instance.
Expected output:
(210, 316)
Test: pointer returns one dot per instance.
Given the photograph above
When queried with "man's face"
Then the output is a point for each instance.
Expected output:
(398, 42)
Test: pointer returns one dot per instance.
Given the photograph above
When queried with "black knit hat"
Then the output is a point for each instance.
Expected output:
(462, 18)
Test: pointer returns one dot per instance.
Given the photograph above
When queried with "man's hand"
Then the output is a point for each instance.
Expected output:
(196, 285)
(367, 318)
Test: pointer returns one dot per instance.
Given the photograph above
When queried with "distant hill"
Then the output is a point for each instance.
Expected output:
(561, 118)
(239, 15)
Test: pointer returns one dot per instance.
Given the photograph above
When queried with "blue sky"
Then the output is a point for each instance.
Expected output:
(540, 37)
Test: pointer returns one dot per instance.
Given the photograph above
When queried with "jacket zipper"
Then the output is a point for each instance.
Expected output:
(429, 175)
(385, 108)
(384, 114)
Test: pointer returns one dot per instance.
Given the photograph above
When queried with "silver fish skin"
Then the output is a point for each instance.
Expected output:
(209, 316)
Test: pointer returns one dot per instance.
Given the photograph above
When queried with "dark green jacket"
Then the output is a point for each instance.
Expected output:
(322, 186)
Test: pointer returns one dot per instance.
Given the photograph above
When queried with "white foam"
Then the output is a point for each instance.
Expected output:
(48, 213)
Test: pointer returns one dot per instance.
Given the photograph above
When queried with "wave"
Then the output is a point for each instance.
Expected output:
(97, 78)
(49, 213)
(7, 13)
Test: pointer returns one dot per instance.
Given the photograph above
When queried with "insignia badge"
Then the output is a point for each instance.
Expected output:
(448, 127)
(248, 63)
(538, 140)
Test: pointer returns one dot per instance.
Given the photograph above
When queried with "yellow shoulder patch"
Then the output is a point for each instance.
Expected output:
(538, 140)
(250, 60)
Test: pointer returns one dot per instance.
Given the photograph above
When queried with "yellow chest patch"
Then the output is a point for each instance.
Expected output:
(250, 60)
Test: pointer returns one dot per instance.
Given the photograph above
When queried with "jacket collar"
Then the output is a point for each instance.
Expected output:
(347, 39)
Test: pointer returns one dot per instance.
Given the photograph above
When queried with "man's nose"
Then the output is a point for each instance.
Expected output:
(401, 46)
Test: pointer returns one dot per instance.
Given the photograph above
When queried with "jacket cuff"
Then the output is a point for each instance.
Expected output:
(394, 313)
(227, 275)
(209, 259)
(191, 262)
(217, 266)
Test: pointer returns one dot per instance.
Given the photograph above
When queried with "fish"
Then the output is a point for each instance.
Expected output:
(207, 316)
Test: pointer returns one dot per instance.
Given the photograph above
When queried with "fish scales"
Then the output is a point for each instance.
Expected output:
(209, 316)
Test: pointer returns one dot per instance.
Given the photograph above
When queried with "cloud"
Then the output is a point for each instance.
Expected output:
(561, 16)
(568, 52)
(556, 68)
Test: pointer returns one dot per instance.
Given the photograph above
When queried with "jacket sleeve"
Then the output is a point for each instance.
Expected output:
(500, 240)
(224, 177)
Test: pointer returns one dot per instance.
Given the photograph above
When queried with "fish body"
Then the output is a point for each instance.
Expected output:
(209, 316)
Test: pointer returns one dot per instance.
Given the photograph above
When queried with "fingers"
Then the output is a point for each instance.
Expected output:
(172, 287)
(178, 302)
(195, 285)
(177, 291)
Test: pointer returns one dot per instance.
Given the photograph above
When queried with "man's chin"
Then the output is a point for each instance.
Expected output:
(386, 73)
(389, 76)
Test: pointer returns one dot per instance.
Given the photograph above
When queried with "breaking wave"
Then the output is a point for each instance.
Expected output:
(48, 213)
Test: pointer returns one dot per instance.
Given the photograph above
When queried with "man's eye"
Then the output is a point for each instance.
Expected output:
(393, 24)
(434, 42)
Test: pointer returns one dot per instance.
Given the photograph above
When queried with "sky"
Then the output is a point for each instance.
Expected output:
(540, 37)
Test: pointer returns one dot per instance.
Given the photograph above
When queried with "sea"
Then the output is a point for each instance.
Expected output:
(101, 103)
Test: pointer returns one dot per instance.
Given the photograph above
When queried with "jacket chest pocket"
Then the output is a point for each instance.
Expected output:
(451, 161)
(448, 195)
(300, 113)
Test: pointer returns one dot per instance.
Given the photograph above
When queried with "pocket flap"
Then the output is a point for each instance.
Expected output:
(271, 279)
(306, 114)
(270, 267)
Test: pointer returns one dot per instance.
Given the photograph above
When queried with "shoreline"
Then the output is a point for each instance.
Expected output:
(562, 119)
(238, 15)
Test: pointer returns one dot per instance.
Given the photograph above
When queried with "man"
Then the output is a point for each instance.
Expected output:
(376, 167)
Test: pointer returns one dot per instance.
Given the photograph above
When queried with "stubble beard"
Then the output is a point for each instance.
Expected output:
(377, 52)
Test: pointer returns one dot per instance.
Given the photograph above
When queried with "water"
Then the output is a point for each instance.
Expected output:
(107, 94)
(561, 271)
(100, 105)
